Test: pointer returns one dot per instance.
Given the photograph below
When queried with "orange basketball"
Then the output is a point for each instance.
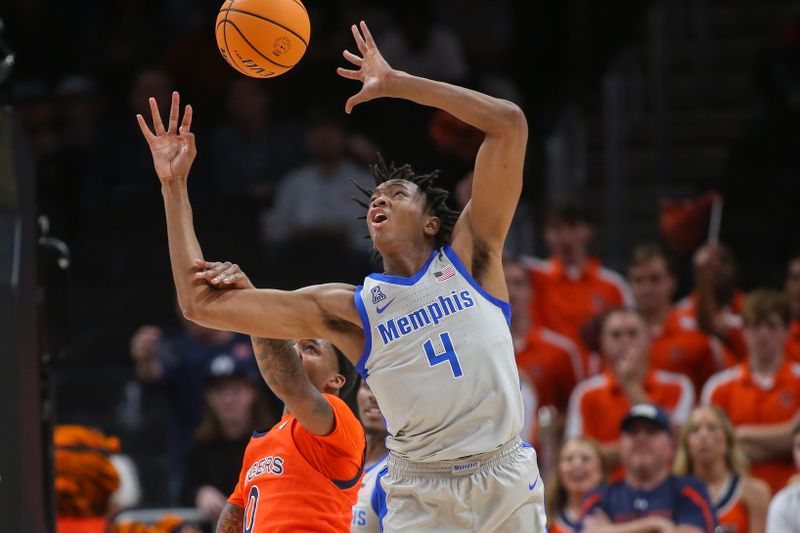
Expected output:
(262, 38)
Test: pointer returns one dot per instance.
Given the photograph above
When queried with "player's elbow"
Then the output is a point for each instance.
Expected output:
(511, 119)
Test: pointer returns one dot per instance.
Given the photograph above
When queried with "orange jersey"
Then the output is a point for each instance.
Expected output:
(293, 480)
(792, 348)
(553, 363)
(746, 401)
(678, 346)
(565, 302)
(730, 508)
(736, 351)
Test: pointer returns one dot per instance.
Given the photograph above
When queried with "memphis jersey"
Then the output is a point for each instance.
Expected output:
(439, 359)
(365, 515)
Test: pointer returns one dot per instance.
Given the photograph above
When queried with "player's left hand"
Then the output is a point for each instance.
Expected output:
(222, 275)
(372, 72)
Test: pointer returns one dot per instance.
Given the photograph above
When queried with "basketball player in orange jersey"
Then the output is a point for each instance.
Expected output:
(304, 473)
(430, 333)
(708, 450)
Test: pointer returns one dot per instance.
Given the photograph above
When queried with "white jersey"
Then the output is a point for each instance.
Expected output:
(365, 513)
(439, 359)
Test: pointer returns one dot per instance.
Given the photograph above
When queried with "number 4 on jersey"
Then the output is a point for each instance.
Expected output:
(448, 356)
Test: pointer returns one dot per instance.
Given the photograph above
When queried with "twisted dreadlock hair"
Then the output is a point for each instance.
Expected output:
(435, 197)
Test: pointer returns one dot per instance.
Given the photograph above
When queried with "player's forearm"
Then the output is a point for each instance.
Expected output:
(183, 246)
(230, 521)
(493, 116)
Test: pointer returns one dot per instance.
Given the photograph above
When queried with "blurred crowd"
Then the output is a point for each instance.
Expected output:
(272, 190)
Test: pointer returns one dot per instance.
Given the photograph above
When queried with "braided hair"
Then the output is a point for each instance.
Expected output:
(435, 197)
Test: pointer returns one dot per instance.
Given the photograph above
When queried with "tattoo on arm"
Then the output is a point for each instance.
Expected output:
(279, 363)
(231, 519)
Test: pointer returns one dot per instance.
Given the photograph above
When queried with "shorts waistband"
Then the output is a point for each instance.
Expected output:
(455, 467)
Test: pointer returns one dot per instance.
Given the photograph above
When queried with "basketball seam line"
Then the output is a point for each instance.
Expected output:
(299, 3)
(228, 58)
(253, 47)
(268, 20)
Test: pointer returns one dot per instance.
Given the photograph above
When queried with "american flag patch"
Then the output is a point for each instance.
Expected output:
(444, 274)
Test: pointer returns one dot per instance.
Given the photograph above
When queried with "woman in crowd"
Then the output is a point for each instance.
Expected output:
(708, 450)
(580, 469)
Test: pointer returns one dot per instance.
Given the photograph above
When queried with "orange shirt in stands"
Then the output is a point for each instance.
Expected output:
(736, 351)
(747, 402)
(553, 363)
(792, 348)
(678, 346)
(730, 508)
(598, 405)
(293, 480)
(565, 301)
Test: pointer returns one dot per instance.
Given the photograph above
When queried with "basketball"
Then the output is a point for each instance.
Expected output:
(262, 38)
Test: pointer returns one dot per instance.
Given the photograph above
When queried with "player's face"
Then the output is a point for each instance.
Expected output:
(568, 242)
(519, 287)
(793, 286)
(645, 448)
(765, 338)
(652, 284)
(706, 437)
(319, 361)
(370, 413)
(579, 467)
(397, 214)
(231, 398)
(624, 335)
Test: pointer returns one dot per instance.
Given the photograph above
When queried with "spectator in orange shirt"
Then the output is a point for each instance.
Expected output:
(551, 361)
(762, 395)
(676, 343)
(708, 450)
(793, 292)
(572, 287)
(716, 302)
(598, 404)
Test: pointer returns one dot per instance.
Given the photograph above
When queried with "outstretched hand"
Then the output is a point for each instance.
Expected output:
(173, 149)
(372, 68)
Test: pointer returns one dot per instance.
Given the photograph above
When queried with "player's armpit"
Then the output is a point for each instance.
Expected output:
(231, 519)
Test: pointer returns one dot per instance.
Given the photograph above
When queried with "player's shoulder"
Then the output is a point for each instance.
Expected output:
(344, 414)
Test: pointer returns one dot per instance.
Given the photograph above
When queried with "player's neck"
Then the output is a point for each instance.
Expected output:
(376, 448)
(407, 263)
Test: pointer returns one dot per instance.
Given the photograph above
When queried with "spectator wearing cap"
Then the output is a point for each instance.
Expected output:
(572, 287)
(649, 498)
(598, 404)
(234, 408)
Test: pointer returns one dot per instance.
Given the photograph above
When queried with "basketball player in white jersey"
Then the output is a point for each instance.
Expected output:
(366, 511)
(430, 333)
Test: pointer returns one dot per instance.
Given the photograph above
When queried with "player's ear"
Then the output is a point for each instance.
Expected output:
(336, 381)
(432, 226)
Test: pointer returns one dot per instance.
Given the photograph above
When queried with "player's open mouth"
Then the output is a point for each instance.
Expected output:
(378, 219)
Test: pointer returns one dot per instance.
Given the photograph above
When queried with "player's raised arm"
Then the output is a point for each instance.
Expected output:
(498, 169)
(326, 311)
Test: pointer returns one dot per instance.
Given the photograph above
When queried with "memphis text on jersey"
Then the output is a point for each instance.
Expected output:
(432, 313)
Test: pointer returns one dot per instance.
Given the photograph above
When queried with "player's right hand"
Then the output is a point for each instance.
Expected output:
(173, 149)
(222, 275)
(145, 344)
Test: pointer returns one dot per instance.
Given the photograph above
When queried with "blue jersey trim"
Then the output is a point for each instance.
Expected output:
(362, 312)
(348, 483)
(505, 307)
(259, 434)
(377, 463)
(400, 280)
(379, 497)
(728, 495)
